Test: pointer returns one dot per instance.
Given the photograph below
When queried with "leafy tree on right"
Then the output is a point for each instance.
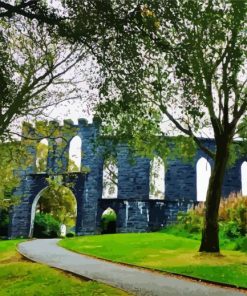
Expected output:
(185, 62)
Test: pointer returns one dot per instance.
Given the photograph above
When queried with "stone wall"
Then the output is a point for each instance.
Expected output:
(135, 211)
(143, 215)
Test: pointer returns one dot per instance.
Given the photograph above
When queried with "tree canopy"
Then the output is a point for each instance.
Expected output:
(33, 64)
(59, 201)
(13, 157)
(184, 63)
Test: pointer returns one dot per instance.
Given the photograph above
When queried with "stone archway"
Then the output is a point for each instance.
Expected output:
(32, 187)
(33, 210)
(64, 200)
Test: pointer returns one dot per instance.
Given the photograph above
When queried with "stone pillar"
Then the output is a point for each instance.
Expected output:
(133, 175)
(20, 216)
(78, 181)
(232, 180)
(133, 216)
(92, 164)
(180, 180)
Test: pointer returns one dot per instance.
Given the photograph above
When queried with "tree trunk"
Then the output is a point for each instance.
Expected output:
(210, 237)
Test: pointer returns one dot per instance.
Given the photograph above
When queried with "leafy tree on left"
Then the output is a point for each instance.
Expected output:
(32, 61)
(33, 64)
(13, 156)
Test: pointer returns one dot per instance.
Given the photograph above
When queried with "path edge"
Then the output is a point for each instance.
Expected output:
(167, 273)
(68, 271)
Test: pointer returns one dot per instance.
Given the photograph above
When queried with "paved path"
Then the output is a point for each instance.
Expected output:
(136, 281)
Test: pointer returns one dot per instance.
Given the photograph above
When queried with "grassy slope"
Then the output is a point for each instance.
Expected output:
(21, 277)
(165, 252)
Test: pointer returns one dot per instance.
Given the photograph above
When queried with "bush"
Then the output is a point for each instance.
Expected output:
(46, 226)
(191, 221)
(70, 234)
(4, 222)
(234, 209)
(232, 222)
(230, 229)
(241, 244)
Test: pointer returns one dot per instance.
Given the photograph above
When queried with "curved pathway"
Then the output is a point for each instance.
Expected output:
(133, 280)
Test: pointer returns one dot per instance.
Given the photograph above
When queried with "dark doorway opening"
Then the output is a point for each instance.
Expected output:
(108, 221)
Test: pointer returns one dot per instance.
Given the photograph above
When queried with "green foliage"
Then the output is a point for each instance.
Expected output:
(241, 244)
(233, 211)
(4, 222)
(33, 58)
(180, 64)
(72, 167)
(46, 226)
(59, 201)
(230, 229)
(41, 157)
(14, 157)
(191, 222)
(232, 222)
(179, 39)
(70, 234)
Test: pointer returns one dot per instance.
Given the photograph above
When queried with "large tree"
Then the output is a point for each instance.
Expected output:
(182, 62)
(33, 68)
(38, 10)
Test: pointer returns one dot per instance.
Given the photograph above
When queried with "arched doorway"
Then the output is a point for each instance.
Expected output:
(244, 178)
(108, 221)
(203, 173)
(53, 206)
(157, 179)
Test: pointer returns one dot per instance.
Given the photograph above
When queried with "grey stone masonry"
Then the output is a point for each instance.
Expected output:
(135, 211)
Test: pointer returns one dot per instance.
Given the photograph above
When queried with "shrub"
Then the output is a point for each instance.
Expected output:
(191, 221)
(241, 244)
(230, 229)
(234, 209)
(70, 234)
(232, 220)
(4, 222)
(46, 226)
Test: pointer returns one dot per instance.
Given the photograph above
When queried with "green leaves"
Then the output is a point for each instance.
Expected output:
(59, 201)
(13, 158)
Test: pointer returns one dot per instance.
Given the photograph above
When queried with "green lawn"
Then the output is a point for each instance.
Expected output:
(165, 252)
(21, 277)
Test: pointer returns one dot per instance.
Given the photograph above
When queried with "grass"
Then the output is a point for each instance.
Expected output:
(165, 252)
(21, 277)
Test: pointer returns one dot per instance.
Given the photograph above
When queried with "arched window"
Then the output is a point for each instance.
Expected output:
(157, 179)
(42, 155)
(244, 178)
(110, 178)
(74, 164)
(203, 173)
